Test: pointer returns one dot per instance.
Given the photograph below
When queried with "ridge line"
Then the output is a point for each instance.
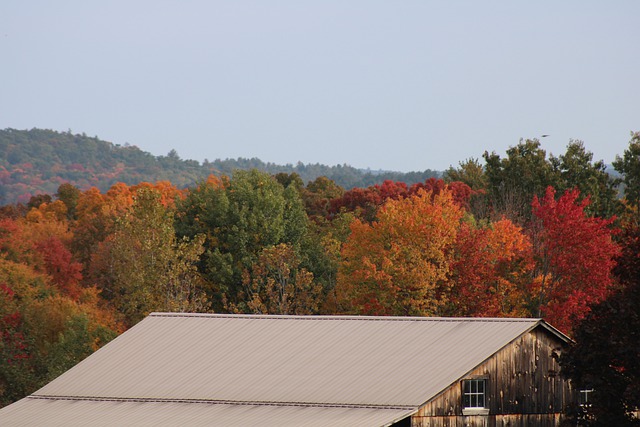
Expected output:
(221, 402)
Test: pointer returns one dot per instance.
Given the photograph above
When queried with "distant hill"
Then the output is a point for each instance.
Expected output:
(37, 161)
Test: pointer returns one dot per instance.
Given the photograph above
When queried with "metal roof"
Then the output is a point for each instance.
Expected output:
(70, 413)
(323, 370)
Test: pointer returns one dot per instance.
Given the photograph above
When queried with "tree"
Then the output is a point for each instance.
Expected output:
(317, 197)
(142, 267)
(65, 273)
(240, 218)
(470, 172)
(69, 195)
(400, 264)
(516, 179)
(39, 333)
(365, 202)
(491, 270)
(276, 284)
(574, 255)
(606, 355)
(17, 377)
(577, 170)
(629, 166)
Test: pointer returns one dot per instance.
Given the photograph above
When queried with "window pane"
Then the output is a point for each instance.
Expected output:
(473, 393)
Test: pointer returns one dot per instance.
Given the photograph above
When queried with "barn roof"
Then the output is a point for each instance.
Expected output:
(208, 369)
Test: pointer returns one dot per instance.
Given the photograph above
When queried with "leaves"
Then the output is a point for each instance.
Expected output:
(491, 270)
(574, 256)
(143, 268)
(399, 265)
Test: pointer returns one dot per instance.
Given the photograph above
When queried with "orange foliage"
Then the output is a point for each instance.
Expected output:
(491, 270)
(400, 264)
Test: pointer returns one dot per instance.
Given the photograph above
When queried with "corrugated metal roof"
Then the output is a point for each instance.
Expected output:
(364, 363)
(69, 413)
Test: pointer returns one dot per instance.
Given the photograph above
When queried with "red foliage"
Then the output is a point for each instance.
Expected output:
(12, 341)
(65, 273)
(368, 200)
(574, 258)
(492, 263)
(460, 191)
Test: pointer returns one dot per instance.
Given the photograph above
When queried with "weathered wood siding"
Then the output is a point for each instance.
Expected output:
(524, 388)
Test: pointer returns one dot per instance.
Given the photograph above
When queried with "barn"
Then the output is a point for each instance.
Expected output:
(244, 370)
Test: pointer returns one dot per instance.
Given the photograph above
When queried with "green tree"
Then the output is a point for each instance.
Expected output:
(240, 217)
(516, 179)
(577, 170)
(471, 172)
(629, 166)
(69, 195)
(144, 268)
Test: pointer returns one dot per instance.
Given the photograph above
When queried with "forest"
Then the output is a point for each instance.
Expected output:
(519, 234)
(37, 161)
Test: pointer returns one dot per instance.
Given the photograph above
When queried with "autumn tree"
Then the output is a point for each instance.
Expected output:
(574, 255)
(491, 270)
(276, 284)
(317, 197)
(42, 331)
(400, 264)
(17, 376)
(142, 267)
(93, 224)
(365, 202)
(606, 355)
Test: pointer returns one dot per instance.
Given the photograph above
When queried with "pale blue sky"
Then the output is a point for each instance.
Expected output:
(400, 85)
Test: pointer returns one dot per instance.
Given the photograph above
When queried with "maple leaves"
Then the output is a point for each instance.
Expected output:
(491, 269)
(423, 256)
(399, 264)
(574, 256)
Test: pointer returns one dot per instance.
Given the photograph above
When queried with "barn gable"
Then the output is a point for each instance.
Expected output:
(521, 386)
(201, 369)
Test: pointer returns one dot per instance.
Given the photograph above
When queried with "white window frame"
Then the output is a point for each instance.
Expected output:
(470, 391)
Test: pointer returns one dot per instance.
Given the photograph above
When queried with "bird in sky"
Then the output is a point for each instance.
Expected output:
(544, 136)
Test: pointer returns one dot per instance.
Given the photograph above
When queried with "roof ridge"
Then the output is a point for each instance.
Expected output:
(221, 402)
(348, 317)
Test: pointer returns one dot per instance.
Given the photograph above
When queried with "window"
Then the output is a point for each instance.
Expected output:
(585, 397)
(474, 393)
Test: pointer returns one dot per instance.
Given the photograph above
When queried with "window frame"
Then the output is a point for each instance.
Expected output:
(473, 393)
(585, 397)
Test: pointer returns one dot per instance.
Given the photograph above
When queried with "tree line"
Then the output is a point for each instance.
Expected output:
(522, 235)
(38, 161)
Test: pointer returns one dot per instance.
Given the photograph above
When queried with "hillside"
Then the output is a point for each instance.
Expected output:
(37, 161)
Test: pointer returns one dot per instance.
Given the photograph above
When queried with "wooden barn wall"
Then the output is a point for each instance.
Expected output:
(523, 389)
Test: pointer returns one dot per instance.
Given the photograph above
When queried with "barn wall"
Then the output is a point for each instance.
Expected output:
(523, 388)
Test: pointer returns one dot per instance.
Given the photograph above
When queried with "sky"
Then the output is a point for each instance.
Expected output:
(395, 85)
